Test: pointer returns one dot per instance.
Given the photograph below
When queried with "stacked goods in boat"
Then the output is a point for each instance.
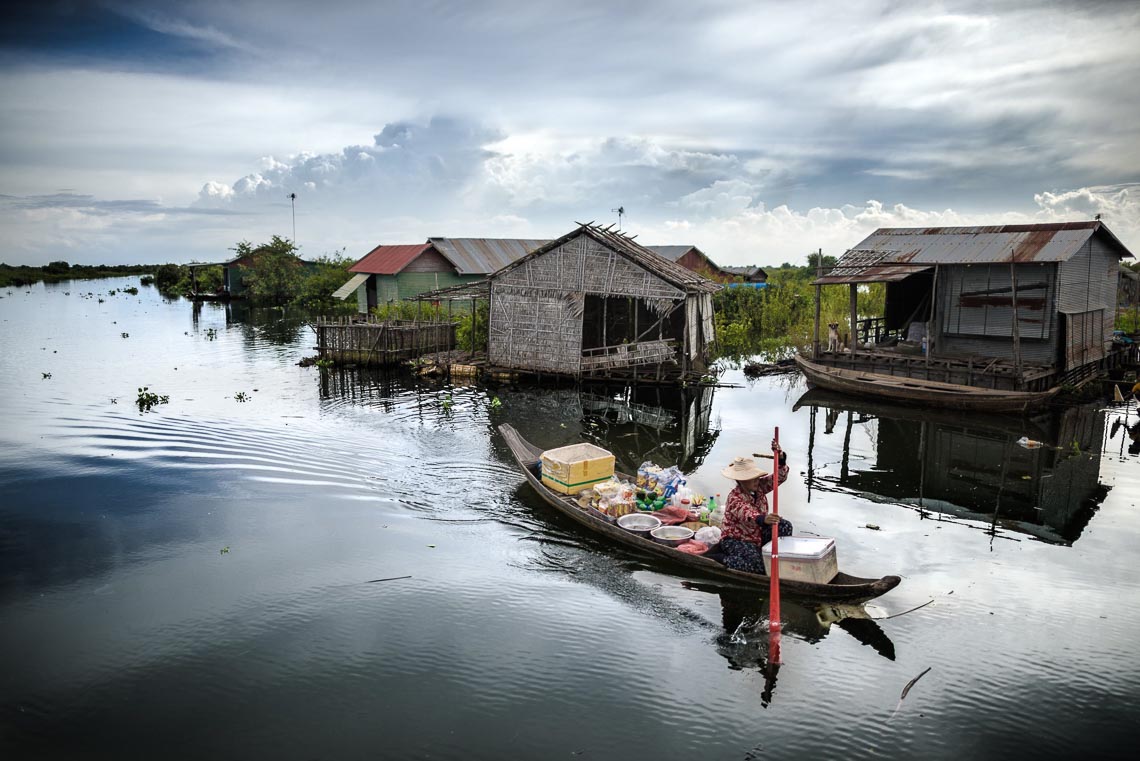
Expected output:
(569, 470)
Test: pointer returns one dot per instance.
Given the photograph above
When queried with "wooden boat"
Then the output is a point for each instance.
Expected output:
(843, 588)
(919, 391)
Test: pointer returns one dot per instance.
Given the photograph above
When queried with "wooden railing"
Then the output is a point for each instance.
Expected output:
(381, 343)
(628, 355)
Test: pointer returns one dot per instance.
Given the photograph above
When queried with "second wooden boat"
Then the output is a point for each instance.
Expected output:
(919, 391)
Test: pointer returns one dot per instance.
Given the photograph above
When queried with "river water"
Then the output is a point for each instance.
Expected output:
(287, 562)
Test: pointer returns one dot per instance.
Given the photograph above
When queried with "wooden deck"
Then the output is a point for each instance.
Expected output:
(380, 343)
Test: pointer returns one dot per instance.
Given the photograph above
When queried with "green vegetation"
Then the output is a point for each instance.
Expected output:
(427, 312)
(774, 321)
(56, 272)
(148, 399)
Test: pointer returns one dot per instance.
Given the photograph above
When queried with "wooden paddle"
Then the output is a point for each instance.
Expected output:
(774, 593)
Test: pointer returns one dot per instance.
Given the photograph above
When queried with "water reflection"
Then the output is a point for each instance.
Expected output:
(953, 464)
(281, 326)
(669, 425)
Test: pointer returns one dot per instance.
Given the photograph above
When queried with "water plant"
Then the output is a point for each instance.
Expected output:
(126, 335)
(496, 403)
(241, 396)
(148, 399)
(46, 375)
(211, 334)
(447, 403)
(324, 363)
(131, 290)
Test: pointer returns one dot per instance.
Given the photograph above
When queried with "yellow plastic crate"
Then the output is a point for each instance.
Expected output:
(571, 469)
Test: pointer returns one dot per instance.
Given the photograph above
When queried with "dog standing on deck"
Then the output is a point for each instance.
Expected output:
(833, 336)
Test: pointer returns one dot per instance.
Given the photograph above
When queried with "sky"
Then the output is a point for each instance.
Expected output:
(148, 132)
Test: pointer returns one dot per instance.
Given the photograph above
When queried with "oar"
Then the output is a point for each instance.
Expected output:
(774, 593)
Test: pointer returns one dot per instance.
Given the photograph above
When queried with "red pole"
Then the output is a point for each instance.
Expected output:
(774, 591)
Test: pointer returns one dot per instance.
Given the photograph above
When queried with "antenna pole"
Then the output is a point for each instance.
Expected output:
(620, 212)
(293, 203)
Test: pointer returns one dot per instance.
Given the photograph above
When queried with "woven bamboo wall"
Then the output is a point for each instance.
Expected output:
(536, 332)
(583, 265)
(536, 308)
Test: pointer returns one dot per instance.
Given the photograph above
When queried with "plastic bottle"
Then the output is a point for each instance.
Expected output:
(716, 517)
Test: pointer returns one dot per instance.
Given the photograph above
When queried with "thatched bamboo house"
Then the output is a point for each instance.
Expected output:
(594, 302)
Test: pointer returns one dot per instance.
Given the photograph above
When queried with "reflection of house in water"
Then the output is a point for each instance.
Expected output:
(970, 466)
(667, 424)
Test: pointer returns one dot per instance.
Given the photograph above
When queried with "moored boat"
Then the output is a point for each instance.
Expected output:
(843, 588)
(919, 391)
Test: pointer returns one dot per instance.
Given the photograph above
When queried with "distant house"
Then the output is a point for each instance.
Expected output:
(390, 273)
(751, 275)
(233, 284)
(594, 302)
(692, 259)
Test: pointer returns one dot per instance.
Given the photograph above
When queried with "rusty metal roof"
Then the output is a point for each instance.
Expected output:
(388, 260)
(482, 256)
(894, 253)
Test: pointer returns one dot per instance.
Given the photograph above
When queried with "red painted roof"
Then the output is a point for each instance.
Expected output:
(389, 260)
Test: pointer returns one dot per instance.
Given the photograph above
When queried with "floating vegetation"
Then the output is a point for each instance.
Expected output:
(126, 335)
(131, 290)
(211, 334)
(496, 403)
(241, 396)
(46, 375)
(225, 550)
(146, 280)
(447, 403)
(324, 364)
(148, 399)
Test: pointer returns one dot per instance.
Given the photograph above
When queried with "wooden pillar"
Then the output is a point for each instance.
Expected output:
(1016, 321)
(932, 324)
(854, 319)
(818, 298)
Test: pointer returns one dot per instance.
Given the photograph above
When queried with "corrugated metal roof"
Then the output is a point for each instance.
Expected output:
(893, 253)
(388, 260)
(482, 256)
(672, 253)
(350, 287)
(671, 272)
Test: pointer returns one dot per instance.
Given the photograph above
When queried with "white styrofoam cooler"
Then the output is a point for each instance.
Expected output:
(804, 558)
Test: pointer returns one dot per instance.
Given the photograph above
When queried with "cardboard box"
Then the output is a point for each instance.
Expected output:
(804, 558)
(571, 469)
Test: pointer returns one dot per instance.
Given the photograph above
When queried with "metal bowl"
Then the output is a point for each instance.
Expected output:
(639, 523)
(671, 535)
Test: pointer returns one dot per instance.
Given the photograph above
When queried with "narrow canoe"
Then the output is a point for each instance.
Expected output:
(920, 391)
(843, 588)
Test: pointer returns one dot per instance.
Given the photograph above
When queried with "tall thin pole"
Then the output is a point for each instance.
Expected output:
(293, 204)
(818, 275)
(1016, 326)
(854, 319)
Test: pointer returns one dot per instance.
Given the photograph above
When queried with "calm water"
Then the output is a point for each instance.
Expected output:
(200, 580)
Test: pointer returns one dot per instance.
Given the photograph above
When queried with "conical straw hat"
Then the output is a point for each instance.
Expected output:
(743, 469)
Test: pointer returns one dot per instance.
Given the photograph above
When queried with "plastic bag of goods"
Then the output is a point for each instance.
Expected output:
(709, 535)
(693, 547)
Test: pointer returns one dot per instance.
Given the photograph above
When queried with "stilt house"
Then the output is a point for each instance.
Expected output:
(594, 302)
(1006, 307)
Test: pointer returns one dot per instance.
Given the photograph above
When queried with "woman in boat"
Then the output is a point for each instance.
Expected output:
(747, 522)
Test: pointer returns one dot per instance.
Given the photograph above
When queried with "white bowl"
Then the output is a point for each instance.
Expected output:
(639, 523)
(671, 535)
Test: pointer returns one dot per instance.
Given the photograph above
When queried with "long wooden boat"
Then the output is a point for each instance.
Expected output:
(843, 588)
(920, 391)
